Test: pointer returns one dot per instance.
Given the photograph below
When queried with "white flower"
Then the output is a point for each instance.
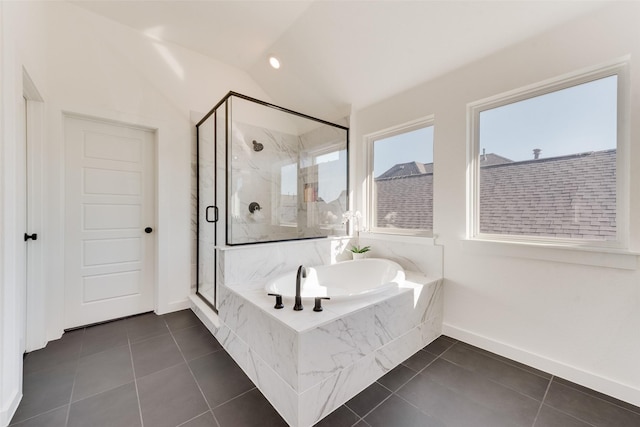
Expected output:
(352, 216)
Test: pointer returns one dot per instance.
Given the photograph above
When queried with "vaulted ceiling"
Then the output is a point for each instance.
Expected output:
(341, 55)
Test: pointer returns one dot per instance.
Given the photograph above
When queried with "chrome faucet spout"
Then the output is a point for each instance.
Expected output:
(302, 273)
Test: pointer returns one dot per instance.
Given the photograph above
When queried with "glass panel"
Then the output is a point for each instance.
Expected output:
(206, 212)
(403, 180)
(287, 177)
(548, 164)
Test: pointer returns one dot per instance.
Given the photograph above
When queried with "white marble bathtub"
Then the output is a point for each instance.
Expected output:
(347, 279)
(309, 363)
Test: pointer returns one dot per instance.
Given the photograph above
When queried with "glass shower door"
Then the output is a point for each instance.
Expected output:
(207, 211)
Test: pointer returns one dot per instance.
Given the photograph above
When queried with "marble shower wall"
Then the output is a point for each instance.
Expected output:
(256, 177)
(292, 149)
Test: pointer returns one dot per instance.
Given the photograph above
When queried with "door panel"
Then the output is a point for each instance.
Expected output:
(111, 182)
(109, 217)
(109, 200)
(111, 251)
(107, 286)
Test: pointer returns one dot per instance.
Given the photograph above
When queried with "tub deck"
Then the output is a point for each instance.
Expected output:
(309, 363)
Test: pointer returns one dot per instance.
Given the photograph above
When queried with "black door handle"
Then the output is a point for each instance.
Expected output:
(148, 230)
(33, 236)
(215, 214)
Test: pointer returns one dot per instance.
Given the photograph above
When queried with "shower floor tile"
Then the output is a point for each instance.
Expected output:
(169, 371)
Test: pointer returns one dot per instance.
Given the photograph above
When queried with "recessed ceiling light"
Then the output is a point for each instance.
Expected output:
(274, 62)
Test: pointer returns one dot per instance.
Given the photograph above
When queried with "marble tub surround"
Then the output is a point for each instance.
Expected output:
(244, 265)
(412, 253)
(309, 363)
(347, 279)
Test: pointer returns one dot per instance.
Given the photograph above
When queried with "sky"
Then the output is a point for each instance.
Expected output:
(407, 147)
(574, 120)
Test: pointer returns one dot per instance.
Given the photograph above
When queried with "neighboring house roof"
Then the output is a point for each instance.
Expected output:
(569, 196)
(407, 169)
(405, 202)
(491, 159)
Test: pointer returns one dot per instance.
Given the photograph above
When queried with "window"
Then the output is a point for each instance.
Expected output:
(400, 174)
(287, 206)
(548, 162)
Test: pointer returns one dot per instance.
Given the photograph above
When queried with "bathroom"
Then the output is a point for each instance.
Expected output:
(563, 310)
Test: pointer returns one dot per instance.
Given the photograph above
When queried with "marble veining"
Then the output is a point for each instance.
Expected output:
(306, 363)
(261, 176)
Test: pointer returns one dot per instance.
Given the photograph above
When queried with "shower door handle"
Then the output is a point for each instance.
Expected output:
(215, 214)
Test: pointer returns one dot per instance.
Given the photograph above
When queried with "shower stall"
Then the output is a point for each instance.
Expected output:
(265, 174)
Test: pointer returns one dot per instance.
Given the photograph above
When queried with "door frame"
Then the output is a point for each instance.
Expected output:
(36, 286)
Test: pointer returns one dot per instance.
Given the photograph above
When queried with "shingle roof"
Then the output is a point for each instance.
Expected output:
(491, 159)
(405, 201)
(569, 196)
(407, 169)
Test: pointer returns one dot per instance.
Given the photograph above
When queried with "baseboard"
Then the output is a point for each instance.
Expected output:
(9, 410)
(587, 379)
(175, 306)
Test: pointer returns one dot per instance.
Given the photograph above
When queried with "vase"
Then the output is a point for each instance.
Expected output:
(357, 255)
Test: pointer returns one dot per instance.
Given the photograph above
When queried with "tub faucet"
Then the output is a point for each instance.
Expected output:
(302, 273)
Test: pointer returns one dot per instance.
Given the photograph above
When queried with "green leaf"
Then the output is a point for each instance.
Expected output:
(360, 250)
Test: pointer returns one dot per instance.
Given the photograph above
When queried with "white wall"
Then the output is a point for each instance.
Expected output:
(100, 68)
(577, 321)
(12, 208)
(85, 64)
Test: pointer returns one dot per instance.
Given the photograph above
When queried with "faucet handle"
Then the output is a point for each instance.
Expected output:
(318, 306)
(279, 303)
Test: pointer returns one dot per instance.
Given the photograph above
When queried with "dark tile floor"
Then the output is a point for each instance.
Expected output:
(157, 371)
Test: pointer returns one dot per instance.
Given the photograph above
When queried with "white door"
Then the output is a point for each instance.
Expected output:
(36, 291)
(109, 221)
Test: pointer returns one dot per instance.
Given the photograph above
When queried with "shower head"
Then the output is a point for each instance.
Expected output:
(254, 207)
(257, 146)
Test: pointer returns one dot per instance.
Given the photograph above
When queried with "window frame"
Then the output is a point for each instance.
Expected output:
(619, 68)
(370, 197)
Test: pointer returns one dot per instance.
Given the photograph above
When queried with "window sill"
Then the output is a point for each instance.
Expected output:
(599, 257)
(402, 238)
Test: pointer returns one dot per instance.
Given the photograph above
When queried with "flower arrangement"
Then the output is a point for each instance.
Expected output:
(355, 217)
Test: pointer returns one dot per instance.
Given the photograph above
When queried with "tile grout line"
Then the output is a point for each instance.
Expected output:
(75, 376)
(375, 407)
(359, 418)
(191, 419)
(186, 362)
(599, 398)
(566, 413)
(412, 404)
(535, 419)
(496, 382)
(426, 366)
(405, 383)
(509, 362)
(240, 395)
(506, 386)
(135, 381)
(37, 415)
(415, 406)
